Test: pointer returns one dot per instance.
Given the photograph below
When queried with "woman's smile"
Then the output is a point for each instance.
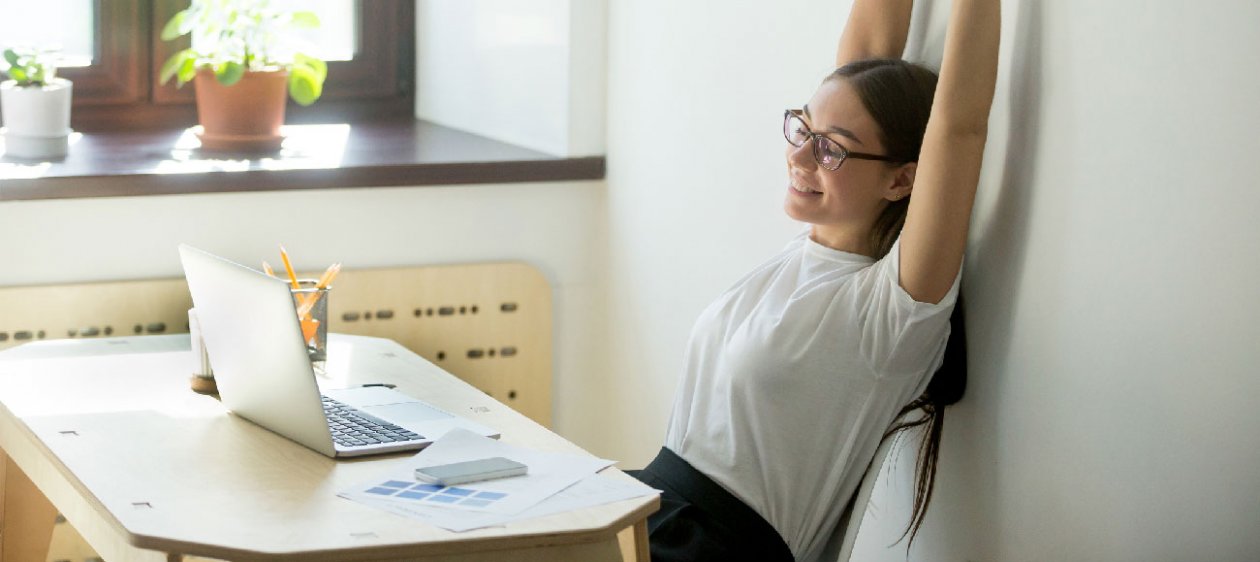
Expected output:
(799, 189)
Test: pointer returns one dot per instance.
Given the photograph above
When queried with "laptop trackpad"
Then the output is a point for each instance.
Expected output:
(387, 404)
(406, 412)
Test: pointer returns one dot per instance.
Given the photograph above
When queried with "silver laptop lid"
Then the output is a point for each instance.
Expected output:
(254, 340)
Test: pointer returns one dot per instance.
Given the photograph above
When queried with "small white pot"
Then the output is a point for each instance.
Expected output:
(36, 118)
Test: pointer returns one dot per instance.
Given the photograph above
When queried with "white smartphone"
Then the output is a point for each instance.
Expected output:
(470, 471)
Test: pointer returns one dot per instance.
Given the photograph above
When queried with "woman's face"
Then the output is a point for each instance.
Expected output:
(842, 204)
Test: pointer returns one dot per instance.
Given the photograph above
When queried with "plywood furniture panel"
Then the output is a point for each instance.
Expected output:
(489, 324)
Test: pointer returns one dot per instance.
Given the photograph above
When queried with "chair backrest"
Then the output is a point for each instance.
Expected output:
(489, 324)
(840, 545)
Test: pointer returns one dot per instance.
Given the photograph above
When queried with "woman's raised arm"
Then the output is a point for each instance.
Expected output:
(935, 233)
(876, 29)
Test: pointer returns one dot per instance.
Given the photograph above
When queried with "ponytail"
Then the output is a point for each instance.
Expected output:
(898, 95)
(947, 387)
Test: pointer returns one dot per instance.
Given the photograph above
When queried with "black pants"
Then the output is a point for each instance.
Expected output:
(699, 520)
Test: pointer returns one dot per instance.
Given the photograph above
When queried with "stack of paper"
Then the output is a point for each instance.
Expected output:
(556, 482)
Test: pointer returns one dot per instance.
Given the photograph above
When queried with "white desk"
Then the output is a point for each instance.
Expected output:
(146, 469)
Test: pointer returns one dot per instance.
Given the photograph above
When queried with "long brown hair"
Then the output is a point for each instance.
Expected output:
(898, 95)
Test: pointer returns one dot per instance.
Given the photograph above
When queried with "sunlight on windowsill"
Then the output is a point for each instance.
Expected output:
(305, 147)
(20, 170)
(366, 154)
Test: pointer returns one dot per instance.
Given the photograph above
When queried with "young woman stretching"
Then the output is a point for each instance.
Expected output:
(795, 374)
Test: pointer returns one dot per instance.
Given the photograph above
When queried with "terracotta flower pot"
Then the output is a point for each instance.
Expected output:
(243, 117)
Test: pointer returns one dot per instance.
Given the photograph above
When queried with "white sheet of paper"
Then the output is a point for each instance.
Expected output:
(548, 474)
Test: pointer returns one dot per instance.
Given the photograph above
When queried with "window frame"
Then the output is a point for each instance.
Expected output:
(120, 90)
(115, 76)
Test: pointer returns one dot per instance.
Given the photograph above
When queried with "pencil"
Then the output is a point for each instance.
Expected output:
(267, 269)
(288, 266)
(309, 300)
(327, 278)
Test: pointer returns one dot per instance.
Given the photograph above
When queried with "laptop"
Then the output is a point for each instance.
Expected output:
(251, 331)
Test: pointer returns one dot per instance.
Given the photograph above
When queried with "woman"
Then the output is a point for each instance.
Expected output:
(797, 372)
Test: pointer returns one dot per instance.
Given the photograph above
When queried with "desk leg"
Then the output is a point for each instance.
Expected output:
(633, 541)
(26, 518)
(641, 551)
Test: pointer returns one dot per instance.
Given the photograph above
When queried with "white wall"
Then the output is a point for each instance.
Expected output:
(695, 178)
(526, 72)
(1111, 413)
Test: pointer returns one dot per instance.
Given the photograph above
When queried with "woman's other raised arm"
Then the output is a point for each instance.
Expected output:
(876, 29)
(935, 233)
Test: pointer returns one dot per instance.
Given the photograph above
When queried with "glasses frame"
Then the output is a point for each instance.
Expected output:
(845, 153)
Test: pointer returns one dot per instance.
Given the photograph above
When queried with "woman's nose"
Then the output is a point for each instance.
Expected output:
(801, 156)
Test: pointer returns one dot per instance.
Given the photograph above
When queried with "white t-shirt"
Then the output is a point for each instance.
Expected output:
(793, 376)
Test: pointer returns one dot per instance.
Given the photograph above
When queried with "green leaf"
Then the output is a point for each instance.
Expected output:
(37, 74)
(304, 19)
(11, 56)
(318, 66)
(17, 73)
(304, 87)
(229, 73)
(175, 27)
(187, 70)
(173, 64)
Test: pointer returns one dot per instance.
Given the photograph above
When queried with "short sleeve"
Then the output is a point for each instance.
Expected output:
(899, 334)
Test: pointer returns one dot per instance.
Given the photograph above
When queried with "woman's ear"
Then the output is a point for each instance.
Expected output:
(903, 181)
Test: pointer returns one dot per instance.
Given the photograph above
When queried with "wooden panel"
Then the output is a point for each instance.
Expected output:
(122, 308)
(489, 324)
(68, 544)
(28, 523)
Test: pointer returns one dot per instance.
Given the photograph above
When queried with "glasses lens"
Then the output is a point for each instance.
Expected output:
(795, 130)
(829, 154)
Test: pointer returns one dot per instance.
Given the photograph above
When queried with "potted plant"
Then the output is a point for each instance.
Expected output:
(241, 62)
(35, 105)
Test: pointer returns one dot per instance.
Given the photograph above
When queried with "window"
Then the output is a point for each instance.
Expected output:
(134, 129)
(65, 26)
(114, 54)
(335, 40)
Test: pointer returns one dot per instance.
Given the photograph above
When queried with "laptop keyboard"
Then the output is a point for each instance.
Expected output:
(351, 427)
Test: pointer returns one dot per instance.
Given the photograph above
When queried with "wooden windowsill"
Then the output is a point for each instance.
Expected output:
(375, 154)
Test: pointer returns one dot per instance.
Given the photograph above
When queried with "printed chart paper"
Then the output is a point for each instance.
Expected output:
(548, 474)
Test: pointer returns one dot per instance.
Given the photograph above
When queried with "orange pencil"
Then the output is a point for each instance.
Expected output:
(288, 266)
(267, 269)
(309, 327)
(327, 278)
(309, 300)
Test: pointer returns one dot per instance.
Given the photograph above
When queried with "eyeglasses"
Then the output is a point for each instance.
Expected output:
(828, 153)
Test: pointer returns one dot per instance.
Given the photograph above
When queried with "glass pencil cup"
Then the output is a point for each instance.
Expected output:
(311, 304)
